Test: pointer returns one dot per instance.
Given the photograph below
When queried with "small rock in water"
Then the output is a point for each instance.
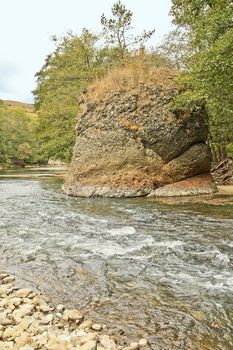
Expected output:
(90, 345)
(38, 300)
(60, 307)
(107, 342)
(9, 279)
(72, 315)
(86, 324)
(23, 293)
(92, 336)
(143, 343)
(132, 346)
(97, 327)
(46, 308)
(3, 275)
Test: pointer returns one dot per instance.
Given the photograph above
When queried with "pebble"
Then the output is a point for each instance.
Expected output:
(46, 319)
(60, 308)
(24, 310)
(60, 325)
(22, 326)
(143, 343)
(28, 322)
(6, 321)
(9, 279)
(15, 301)
(46, 308)
(96, 327)
(73, 315)
(133, 346)
(23, 293)
(86, 324)
(3, 275)
(10, 332)
(27, 347)
(107, 342)
(90, 345)
(38, 300)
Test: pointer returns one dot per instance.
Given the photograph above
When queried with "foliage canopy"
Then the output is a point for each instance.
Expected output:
(209, 72)
(18, 141)
(75, 62)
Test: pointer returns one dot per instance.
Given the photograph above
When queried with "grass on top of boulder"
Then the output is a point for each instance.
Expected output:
(131, 77)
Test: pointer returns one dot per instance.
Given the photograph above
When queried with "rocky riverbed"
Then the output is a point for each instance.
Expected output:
(29, 322)
(159, 269)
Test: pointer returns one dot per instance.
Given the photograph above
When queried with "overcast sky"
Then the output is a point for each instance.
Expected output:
(27, 25)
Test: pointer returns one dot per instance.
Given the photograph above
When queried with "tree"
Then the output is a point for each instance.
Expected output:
(209, 68)
(176, 47)
(24, 151)
(75, 63)
(17, 128)
(207, 20)
(60, 82)
(117, 30)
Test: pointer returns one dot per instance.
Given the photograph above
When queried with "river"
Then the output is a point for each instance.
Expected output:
(146, 269)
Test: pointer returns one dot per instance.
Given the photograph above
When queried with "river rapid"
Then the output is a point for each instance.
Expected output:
(146, 269)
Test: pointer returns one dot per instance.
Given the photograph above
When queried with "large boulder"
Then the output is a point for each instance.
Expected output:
(130, 142)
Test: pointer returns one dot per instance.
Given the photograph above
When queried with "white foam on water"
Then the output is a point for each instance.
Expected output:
(123, 231)
(229, 282)
(220, 286)
(169, 244)
(215, 257)
(229, 244)
(221, 259)
(111, 248)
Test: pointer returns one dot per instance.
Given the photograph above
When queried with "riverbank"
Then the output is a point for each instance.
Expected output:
(29, 322)
(33, 172)
(224, 196)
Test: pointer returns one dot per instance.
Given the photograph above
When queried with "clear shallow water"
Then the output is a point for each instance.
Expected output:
(146, 269)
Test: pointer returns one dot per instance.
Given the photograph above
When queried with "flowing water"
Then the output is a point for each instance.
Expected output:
(143, 268)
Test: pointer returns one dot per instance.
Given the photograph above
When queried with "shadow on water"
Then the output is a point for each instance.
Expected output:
(147, 268)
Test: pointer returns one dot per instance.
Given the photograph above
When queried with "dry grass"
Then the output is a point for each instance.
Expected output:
(130, 78)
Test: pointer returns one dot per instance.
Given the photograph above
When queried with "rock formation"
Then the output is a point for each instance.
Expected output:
(130, 143)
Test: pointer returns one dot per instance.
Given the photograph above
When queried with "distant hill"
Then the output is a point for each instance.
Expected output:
(18, 105)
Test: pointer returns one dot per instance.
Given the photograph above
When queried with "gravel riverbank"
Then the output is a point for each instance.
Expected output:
(29, 322)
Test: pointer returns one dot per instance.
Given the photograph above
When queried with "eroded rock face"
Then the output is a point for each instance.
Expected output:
(129, 143)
